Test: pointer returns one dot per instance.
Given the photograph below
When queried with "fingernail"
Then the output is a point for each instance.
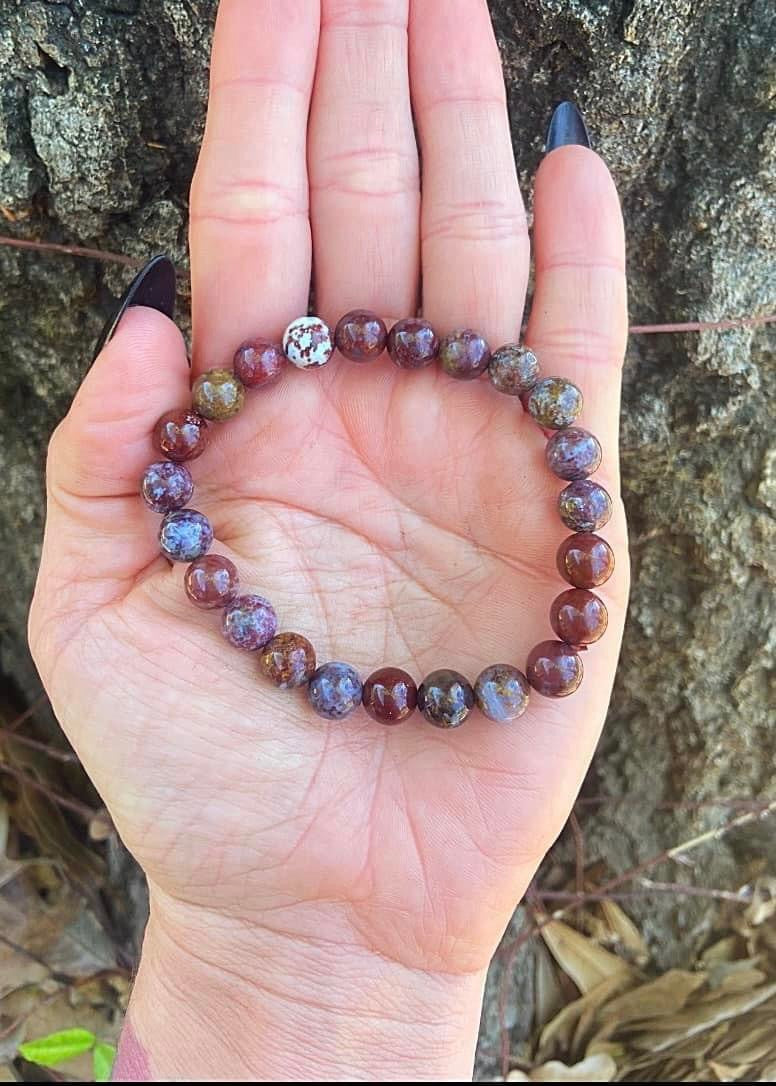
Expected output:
(154, 286)
(567, 125)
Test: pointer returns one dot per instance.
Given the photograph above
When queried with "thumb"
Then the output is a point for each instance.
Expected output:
(99, 535)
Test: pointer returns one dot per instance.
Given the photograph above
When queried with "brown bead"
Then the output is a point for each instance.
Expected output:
(445, 698)
(360, 335)
(217, 395)
(513, 370)
(412, 344)
(578, 616)
(585, 560)
(258, 362)
(555, 403)
(288, 660)
(390, 695)
(554, 669)
(584, 506)
(181, 435)
(464, 354)
(211, 581)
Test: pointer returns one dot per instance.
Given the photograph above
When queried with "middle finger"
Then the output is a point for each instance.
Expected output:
(363, 162)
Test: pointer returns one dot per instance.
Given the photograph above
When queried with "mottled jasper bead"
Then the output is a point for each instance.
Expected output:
(166, 486)
(413, 343)
(217, 395)
(249, 622)
(258, 362)
(584, 506)
(513, 370)
(554, 669)
(578, 616)
(181, 435)
(501, 693)
(185, 535)
(390, 695)
(445, 698)
(464, 354)
(211, 581)
(335, 690)
(554, 403)
(288, 660)
(585, 560)
(307, 342)
(360, 335)
(573, 453)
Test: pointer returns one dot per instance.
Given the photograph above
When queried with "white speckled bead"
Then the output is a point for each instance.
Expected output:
(308, 342)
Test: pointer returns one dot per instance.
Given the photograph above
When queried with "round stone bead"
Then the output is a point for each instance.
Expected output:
(181, 435)
(307, 342)
(185, 535)
(585, 560)
(445, 698)
(501, 693)
(258, 362)
(166, 486)
(578, 617)
(288, 660)
(217, 395)
(513, 369)
(573, 453)
(413, 344)
(584, 506)
(249, 622)
(554, 669)
(554, 403)
(335, 690)
(211, 581)
(360, 335)
(390, 695)
(464, 354)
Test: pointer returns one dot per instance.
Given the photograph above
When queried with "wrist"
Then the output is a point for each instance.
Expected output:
(216, 998)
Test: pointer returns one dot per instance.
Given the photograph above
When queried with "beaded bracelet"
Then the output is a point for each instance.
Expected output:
(335, 689)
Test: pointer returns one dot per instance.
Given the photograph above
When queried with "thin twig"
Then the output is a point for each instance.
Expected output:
(28, 712)
(579, 852)
(648, 887)
(701, 326)
(74, 805)
(35, 744)
(71, 250)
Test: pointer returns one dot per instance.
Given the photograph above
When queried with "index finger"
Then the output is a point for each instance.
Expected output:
(250, 231)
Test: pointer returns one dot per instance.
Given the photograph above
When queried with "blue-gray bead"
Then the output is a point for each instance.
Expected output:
(335, 690)
(501, 692)
(584, 506)
(185, 535)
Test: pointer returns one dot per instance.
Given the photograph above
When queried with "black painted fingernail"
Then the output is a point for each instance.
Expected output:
(567, 125)
(154, 286)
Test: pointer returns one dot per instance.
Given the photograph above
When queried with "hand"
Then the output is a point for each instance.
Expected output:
(392, 517)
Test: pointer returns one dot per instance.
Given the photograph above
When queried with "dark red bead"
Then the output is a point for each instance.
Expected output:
(578, 616)
(181, 435)
(390, 695)
(585, 560)
(211, 581)
(464, 354)
(554, 669)
(258, 362)
(412, 343)
(360, 335)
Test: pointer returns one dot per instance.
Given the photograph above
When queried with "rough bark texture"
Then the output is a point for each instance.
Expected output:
(101, 109)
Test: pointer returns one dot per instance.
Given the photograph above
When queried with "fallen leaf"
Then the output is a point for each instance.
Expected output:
(557, 1036)
(582, 959)
(600, 1068)
(661, 997)
(625, 932)
(657, 1035)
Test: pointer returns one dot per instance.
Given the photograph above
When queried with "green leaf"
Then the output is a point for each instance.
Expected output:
(103, 1057)
(58, 1047)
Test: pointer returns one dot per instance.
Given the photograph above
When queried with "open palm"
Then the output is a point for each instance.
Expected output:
(392, 517)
